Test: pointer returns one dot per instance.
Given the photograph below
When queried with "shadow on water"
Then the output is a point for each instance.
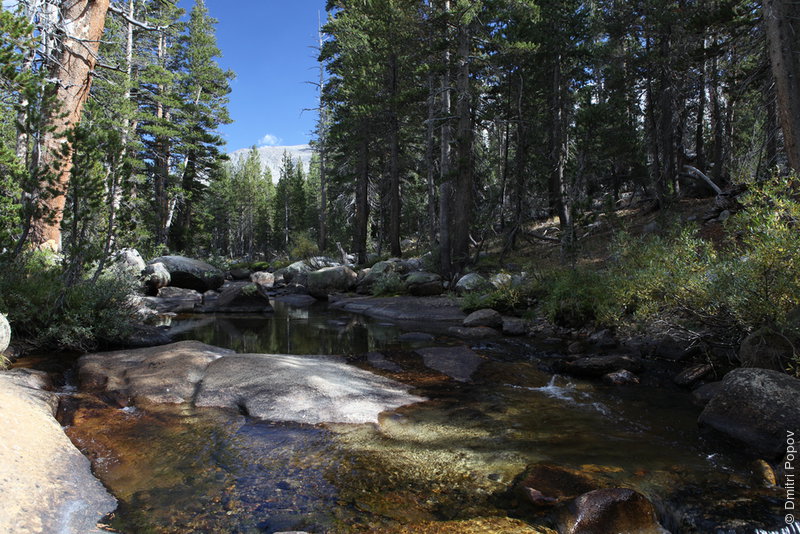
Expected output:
(179, 469)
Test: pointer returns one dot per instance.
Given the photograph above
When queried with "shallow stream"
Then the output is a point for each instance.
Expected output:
(179, 470)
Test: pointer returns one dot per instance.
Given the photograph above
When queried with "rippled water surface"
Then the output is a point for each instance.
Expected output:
(179, 469)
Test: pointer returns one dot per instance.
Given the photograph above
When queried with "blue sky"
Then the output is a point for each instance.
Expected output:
(268, 44)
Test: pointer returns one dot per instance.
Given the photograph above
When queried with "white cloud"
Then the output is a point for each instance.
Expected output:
(270, 140)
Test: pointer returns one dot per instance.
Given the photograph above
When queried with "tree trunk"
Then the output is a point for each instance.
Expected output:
(429, 167)
(362, 202)
(462, 200)
(323, 124)
(83, 22)
(782, 18)
(445, 258)
(162, 163)
(559, 188)
(394, 163)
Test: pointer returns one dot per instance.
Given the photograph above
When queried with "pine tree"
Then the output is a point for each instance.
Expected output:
(204, 87)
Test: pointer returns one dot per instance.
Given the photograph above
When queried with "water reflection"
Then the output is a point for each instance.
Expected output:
(290, 330)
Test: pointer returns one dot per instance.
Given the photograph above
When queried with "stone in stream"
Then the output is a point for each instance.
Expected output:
(692, 374)
(422, 284)
(46, 483)
(597, 366)
(485, 317)
(620, 378)
(331, 280)
(303, 389)
(243, 297)
(155, 375)
(191, 274)
(609, 511)
(263, 278)
(458, 363)
(756, 407)
(475, 332)
(155, 276)
(547, 485)
(514, 327)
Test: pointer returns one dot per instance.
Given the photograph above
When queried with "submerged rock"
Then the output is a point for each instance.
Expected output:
(597, 366)
(547, 484)
(456, 362)
(514, 327)
(755, 407)
(47, 484)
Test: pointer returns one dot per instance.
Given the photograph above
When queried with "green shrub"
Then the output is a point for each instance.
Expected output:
(303, 248)
(48, 315)
(389, 284)
(507, 299)
(575, 297)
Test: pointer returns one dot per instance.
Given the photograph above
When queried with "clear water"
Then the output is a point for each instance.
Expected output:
(436, 466)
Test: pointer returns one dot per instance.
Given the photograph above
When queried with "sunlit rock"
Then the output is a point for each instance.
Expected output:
(47, 484)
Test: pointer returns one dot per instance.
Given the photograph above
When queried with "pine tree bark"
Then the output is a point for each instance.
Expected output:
(445, 187)
(394, 162)
(462, 199)
(362, 201)
(83, 23)
(782, 20)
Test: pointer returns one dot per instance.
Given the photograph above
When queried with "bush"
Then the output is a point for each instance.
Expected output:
(303, 248)
(49, 315)
(507, 299)
(575, 297)
(389, 284)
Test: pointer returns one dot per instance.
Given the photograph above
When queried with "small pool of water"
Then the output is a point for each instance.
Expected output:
(176, 469)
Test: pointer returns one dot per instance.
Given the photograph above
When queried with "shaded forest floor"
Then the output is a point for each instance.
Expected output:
(596, 231)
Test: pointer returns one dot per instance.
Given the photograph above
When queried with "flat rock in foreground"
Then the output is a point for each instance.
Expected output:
(46, 483)
(275, 387)
(301, 389)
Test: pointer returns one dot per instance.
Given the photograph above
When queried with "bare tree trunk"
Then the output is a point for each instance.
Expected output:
(83, 22)
(782, 18)
(394, 163)
(323, 125)
(115, 187)
(429, 147)
(558, 155)
(445, 257)
(699, 141)
(362, 201)
(462, 200)
(162, 163)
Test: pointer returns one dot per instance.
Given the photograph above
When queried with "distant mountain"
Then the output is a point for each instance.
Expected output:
(272, 156)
